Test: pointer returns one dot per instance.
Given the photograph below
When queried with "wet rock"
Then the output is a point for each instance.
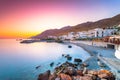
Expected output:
(52, 77)
(85, 78)
(77, 60)
(93, 72)
(85, 70)
(51, 64)
(105, 74)
(71, 71)
(69, 58)
(63, 55)
(79, 72)
(67, 55)
(44, 76)
(101, 64)
(85, 65)
(37, 67)
(65, 77)
(94, 77)
(57, 78)
(76, 77)
(69, 46)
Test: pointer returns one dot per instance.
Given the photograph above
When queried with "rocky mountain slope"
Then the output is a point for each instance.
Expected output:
(104, 23)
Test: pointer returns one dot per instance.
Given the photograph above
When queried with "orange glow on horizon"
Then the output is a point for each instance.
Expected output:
(28, 18)
(17, 34)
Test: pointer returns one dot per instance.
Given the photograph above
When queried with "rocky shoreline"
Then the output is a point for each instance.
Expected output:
(70, 71)
(77, 70)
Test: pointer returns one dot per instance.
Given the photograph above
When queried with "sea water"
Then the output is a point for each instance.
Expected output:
(19, 61)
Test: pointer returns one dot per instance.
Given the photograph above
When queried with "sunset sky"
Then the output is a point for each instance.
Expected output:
(25, 18)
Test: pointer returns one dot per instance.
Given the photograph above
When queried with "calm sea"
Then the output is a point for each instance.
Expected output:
(18, 61)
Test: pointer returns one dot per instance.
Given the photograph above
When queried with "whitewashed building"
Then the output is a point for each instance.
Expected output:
(83, 34)
(63, 37)
(71, 35)
(109, 32)
(98, 32)
(53, 37)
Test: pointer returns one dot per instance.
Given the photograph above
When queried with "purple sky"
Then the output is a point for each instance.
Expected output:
(22, 18)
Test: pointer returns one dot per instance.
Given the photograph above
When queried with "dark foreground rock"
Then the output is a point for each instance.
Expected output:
(44, 76)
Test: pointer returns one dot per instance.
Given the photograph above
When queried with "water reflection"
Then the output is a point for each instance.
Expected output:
(18, 61)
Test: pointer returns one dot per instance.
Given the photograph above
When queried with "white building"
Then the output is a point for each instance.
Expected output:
(71, 35)
(98, 32)
(83, 34)
(63, 37)
(91, 33)
(109, 32)
(53, 37)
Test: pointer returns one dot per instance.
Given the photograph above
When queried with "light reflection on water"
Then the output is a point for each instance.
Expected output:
(18, 61)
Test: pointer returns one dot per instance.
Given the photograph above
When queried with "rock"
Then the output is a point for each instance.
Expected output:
(85, 65)
(103, 79)
(69, 46)
(63, 55)
(101, 64)
(85, 78)
(79, 72)
(51, 64)
(93, 72)
(44, 76)
(85, 70)
(37, 67)
(94, 77)
(67, 55)
(69, 58)
(77, 60)
(65, 77)
(105, 74)
(76, 77)
(57, 78)
(53, 76)
(71, 71)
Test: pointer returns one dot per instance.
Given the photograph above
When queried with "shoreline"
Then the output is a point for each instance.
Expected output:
(106, 55)
(83, 46)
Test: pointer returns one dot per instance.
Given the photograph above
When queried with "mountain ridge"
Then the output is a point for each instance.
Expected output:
(103, 23)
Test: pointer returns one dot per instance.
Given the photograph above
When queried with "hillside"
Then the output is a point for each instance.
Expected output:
(109, 22)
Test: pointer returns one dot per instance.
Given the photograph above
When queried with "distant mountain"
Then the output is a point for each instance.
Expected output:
(104, 23)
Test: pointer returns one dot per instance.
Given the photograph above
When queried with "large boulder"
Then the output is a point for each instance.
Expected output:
(70, 71)
(44, 76)
(65, 76)
(53, 76)
(105, 74)
(80, 72)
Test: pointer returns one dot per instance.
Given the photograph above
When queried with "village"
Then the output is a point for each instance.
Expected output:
(109, 35)
(97, 33)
